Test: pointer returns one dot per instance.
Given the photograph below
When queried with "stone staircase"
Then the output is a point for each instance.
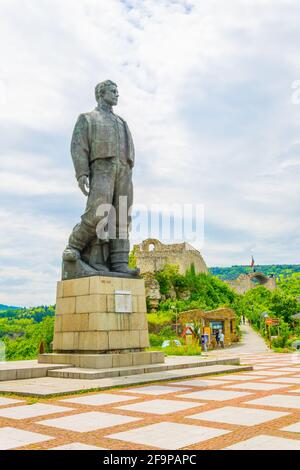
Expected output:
(18, 370)
(28, 378)
(200, 366)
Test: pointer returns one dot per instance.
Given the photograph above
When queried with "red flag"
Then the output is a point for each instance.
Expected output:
(252, 262)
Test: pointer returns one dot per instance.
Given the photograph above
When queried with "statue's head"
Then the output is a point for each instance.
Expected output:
(108, 92)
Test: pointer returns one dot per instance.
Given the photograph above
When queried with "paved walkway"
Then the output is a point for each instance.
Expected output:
(249, 410)
(251, 342)
(246, 410)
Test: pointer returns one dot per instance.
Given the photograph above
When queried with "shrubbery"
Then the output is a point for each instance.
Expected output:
(204, 290)
(281, 304)
(207, 292)
(22, 332)
(184, 350)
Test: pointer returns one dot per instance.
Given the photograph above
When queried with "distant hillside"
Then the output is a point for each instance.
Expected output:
(36, 314)
(8, 307)
(233, 272)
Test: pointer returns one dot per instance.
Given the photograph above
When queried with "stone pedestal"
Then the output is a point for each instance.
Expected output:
(101, 317)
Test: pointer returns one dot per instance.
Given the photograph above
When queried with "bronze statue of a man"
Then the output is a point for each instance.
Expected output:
(103, 156)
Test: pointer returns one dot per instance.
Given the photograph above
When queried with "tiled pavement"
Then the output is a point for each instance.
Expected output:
(250, 410)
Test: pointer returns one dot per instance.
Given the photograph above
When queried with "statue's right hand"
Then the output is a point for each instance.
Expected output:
(83, 183)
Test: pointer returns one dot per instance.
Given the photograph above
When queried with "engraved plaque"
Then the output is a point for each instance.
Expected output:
(123, 301)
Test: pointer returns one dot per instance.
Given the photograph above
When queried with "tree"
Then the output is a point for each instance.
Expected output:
(282, 305)
(290, 285)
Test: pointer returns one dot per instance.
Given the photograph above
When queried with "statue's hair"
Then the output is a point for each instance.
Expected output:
(100, 88)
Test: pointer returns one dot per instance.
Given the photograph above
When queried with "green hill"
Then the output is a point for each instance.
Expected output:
(34, 314)
(7, 307)
(23, 329)
(232, 272)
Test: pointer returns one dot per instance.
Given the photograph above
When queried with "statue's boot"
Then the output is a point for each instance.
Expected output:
(119, 255)
(98, 256)
(71, 254)
(80, 237)
(75, 252)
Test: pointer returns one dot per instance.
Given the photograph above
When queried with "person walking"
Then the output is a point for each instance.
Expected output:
(204, 341)
(218, 338)
(222, 339)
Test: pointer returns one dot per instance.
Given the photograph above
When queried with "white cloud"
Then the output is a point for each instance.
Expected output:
(30, 249)
(34, 175)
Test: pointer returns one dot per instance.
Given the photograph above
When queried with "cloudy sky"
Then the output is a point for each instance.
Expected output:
(210, 94)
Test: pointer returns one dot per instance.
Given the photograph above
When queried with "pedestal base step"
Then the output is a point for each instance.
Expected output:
(92, 374)
(18, 370)
(104, 361)
(49, 386)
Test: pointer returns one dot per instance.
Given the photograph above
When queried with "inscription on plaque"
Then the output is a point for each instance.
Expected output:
(123, 301)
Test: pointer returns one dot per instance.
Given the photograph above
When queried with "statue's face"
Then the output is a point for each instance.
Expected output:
(111, 95)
